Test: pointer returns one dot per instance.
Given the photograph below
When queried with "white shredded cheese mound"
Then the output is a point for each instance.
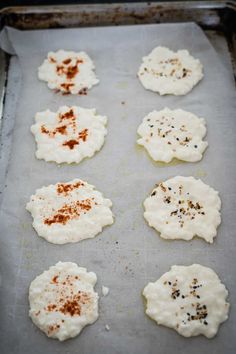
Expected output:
(169, 134)
(63, 301)
(183, 207)
(189, 299)
(69, 135)
(68, 72)
(105, 290)
(69, 212)
(168, 72)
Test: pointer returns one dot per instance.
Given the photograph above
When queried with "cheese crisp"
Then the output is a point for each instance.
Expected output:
(68, 72)
(69, 212)
(69, 135)
(63, 301)
(189, 299)
(167, 72)
(183, 207)
(169, 134)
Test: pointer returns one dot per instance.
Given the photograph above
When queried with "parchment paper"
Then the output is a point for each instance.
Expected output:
(129, 254)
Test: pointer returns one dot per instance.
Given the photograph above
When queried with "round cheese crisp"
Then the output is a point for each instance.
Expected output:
(189, 299)
(69, 135)
(63, 301)
(69, 212)
(68, 72)
(169, 134)
(183, 207)
(167, 72)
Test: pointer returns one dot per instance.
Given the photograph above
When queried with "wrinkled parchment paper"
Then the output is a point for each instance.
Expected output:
(129, 254)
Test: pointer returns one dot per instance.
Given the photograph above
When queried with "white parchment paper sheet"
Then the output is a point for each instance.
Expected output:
(128, 254)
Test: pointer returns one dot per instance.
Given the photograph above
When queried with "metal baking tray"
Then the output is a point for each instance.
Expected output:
(218, 22)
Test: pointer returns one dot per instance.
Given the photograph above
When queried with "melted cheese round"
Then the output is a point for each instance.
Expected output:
(167, 72)
(69, 212)
(69, 135)
(189, 299)
(68, 72)
(63, 301)
(169, 134)
(183, 207)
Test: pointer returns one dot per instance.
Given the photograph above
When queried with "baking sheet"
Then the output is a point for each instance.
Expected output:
(128, 254)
